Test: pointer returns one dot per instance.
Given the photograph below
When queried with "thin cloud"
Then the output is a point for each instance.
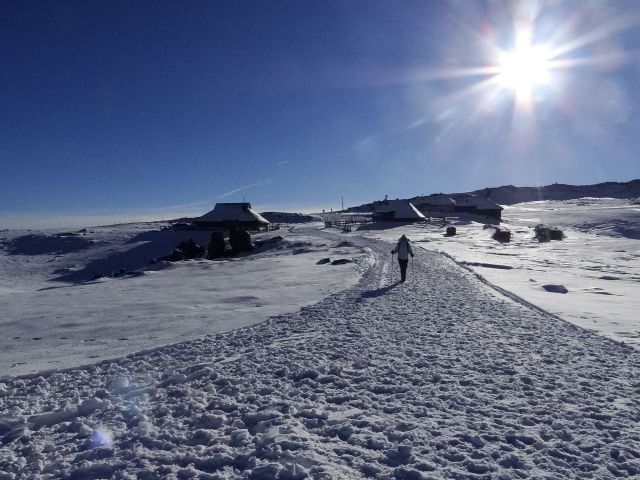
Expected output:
(261, 183)
(417, 123)
(282, 163)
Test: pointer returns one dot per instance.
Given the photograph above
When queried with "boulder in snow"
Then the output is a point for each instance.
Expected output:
(556, 288)
(341, 261)
(545, 234)
(502, 235)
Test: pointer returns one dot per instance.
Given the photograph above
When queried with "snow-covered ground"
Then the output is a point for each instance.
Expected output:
(437, 378)
(443, 377)
(64, 300)
(598, 262)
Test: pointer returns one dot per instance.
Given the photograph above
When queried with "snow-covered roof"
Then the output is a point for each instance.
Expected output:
(480, 203)
(438, 199)
(233, 212)
(401, 209)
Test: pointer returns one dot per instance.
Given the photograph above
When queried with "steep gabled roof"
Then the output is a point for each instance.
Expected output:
(438, 199)
(233, 212)
(402, 209)
(481, 203)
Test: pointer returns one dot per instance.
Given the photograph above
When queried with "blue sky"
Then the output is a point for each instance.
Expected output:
(152, 108)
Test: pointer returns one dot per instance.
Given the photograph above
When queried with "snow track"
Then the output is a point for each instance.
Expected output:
(434, 378)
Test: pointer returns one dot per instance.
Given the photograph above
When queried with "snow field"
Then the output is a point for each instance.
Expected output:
(438, 378)
(56, 314)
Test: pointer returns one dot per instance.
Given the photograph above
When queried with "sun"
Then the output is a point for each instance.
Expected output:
(524, 69)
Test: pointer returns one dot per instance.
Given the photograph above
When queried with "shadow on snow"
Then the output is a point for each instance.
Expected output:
(379, 291)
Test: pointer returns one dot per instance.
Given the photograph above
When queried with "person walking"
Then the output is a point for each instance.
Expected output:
(403, 249)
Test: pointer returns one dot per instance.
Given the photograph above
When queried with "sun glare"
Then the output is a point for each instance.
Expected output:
(524, 62)
(524, 68)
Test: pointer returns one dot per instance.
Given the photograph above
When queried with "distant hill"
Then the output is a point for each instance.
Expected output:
(273, 217)
(509, 194)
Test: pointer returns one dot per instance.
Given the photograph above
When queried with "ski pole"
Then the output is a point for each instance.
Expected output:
(392, 268)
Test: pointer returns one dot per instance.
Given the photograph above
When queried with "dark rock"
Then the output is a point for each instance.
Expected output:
(502, 235)
(240, 241)
(190, 249)
(323, 261)
(175, 256)
(545, 234)
(451, 231)
(556, 288)
(341, 261)
(216, 245)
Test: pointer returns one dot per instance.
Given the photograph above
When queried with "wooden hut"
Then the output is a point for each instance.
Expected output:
(231, 215)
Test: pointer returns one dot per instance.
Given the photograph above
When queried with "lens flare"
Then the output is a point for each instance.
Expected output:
(101, 437)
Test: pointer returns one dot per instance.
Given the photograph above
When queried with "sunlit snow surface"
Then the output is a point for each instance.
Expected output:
(598, 262)
(440, 377)
(55, 313)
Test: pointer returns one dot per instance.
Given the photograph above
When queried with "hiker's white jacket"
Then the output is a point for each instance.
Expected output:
(403, 249)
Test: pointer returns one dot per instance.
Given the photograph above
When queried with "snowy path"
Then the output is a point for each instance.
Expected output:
(435, 378)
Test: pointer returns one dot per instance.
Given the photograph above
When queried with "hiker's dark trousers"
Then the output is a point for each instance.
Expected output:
(403, 269)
